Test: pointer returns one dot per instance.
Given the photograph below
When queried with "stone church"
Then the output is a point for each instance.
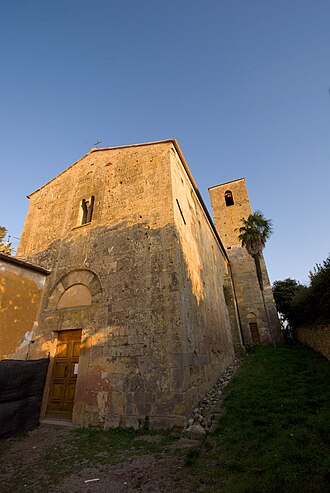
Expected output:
(146, 300)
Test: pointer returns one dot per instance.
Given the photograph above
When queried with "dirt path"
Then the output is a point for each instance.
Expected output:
(47, 459)
(145, 474)
(23, 467)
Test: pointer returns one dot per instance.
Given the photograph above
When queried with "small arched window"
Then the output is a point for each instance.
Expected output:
(229, 198)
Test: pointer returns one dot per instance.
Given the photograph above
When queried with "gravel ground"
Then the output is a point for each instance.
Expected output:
(20, 463)
(20, 470)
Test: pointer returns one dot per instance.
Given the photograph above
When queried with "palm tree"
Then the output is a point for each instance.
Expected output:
(253, 235)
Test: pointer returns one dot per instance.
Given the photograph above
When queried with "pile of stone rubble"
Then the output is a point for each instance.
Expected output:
(205, 416)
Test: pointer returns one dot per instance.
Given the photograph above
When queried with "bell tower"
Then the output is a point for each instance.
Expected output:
(230, 203)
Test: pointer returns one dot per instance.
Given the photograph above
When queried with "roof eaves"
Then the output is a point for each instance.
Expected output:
(199, 196)
(226, 183)
(23, 263)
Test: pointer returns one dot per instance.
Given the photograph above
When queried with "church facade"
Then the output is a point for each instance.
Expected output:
(147, 302)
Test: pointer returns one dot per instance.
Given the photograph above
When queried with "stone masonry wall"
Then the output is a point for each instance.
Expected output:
(316, 337)
(134, 360)
(130, 332)
(206, 335)
(249, 299)
(121, 179)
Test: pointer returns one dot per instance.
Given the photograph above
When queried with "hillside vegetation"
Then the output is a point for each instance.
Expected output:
(273, 437)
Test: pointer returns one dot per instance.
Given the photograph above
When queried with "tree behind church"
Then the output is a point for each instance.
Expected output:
(5, 246)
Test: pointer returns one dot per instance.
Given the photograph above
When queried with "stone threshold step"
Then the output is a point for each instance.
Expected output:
(57, 422)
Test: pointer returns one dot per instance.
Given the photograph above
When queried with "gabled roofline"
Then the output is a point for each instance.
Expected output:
(226, 183)
(100, 149)
(23, 263)
(175, 143)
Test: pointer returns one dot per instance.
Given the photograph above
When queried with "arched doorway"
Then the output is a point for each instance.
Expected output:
(75, 292)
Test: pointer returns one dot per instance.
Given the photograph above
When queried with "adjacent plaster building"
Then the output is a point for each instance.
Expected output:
(21, 289)
(145, 305)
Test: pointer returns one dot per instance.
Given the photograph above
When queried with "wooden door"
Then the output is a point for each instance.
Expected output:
(64, 377)
(254, 333)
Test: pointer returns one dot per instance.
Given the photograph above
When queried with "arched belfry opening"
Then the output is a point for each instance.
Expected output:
(229, 200)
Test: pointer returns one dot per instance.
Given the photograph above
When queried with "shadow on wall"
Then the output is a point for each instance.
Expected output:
(150, 346)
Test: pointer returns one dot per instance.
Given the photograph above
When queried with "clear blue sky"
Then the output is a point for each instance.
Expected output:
(242, 84)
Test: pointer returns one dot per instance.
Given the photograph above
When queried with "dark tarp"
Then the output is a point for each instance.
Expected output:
(21, 388)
